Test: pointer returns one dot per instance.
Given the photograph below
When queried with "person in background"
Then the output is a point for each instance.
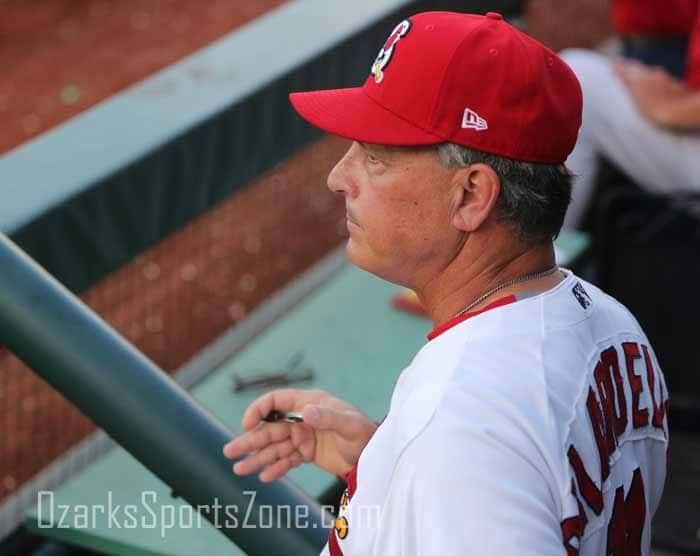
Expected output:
(642, 119)
(655, 32)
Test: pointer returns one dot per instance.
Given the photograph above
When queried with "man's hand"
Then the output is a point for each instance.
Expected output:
(658, 96)
(332, 435)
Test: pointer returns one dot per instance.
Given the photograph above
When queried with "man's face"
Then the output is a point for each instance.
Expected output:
(400, 202)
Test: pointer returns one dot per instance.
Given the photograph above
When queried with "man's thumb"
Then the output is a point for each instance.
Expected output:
(323, 418)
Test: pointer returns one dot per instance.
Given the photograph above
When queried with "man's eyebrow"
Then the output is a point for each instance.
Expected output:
(388, 152)
(373, 148)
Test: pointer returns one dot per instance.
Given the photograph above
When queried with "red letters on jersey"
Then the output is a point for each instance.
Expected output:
(640, 416)
(572, 528)
(627, 521)
(606, 404)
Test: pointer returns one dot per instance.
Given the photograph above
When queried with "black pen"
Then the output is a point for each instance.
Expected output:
(286, 416)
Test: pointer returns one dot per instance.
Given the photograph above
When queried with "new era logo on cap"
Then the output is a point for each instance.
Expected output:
(472, 120)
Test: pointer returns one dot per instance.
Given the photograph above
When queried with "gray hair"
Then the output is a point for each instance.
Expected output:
(534, 196)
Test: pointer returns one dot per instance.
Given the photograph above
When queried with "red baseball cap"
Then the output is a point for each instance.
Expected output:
(468, 79)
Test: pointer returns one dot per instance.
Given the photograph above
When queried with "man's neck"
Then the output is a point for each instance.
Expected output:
(475, 271)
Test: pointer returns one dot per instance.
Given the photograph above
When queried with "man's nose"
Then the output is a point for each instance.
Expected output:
(340, 179)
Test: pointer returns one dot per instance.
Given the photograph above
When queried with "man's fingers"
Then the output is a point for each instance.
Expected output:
(627, 72)
(629, 69)
(619, 69)
(285, 399)
(260, 408)
(264, 457)
(258, 439)
(280, 468)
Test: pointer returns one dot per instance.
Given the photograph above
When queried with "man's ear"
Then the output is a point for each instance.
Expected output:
(476, 191)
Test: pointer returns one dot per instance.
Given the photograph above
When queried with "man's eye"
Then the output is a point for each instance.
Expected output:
(372, 159)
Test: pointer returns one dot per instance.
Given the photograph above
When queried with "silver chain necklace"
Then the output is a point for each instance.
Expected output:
(489, 293)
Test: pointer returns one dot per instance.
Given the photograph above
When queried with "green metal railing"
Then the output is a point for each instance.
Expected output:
(141, 407)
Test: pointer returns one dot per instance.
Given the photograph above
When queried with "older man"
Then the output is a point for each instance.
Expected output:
(534, 419)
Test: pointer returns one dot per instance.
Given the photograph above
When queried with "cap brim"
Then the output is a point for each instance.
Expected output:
(352, 114)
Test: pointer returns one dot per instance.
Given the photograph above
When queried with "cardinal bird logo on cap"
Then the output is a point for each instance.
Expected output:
(384, 57)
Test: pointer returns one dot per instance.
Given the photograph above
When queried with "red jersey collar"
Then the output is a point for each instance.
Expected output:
(454, 321)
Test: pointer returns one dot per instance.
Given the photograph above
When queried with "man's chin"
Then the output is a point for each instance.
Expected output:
(357, 255)
(362, 260)
(351, 250)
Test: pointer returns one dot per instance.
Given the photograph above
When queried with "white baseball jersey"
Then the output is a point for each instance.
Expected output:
(536, 427)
